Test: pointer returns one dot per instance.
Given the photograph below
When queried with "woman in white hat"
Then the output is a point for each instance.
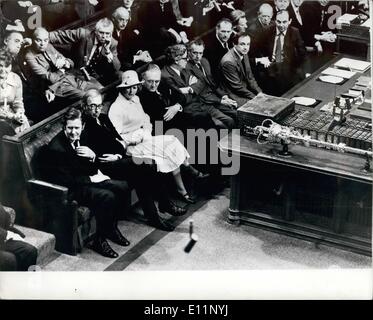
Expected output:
(134, 126)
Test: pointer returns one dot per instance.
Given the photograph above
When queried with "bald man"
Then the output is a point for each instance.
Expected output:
(49, 71)
(261, 23)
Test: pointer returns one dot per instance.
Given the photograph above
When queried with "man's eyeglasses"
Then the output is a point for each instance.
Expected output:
(95, 106)
(182, 58)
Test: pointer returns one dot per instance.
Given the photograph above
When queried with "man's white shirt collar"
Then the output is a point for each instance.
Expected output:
(177, 71)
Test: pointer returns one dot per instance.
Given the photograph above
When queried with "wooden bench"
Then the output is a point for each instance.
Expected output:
(39, 204)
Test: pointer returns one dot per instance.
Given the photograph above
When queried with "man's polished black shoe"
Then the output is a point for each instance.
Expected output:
(162, 225)
(101, 246)
(117, 237)
(172, 209)
(186, 198)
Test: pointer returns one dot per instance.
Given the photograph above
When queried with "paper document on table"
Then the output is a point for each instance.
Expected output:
(364, 81)
(304, 101)
(331, 79)
(353, 64)
(338, 73)
(367, 24)
(346, 18)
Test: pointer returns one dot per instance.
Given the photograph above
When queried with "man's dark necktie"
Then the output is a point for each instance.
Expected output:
(76, 144)
(199, 65)
(95, 56)
(184, 77)
(278, 53)
(243, 65)
(49, 59)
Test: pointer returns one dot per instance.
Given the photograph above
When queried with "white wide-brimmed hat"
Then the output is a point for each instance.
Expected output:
(129, 79)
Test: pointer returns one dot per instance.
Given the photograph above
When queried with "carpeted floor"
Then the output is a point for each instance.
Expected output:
(220, 246)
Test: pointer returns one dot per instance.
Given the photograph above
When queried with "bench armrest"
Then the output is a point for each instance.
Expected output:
(59, 214)
(48, 190)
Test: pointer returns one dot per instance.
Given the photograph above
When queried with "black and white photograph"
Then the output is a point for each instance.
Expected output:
(186, 149)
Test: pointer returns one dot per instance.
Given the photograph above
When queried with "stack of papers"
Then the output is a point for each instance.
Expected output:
(363, 81)
(352, 64)
(338, 73)
(331, 79)
(346, 18)
(367, 24)
(304, 101)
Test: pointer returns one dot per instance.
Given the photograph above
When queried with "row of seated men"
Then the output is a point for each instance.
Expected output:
(205, 13)
(190, 91)
(129, 44)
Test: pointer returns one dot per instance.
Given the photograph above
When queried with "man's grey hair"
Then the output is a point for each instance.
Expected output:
(151, 68)
(265, 6)
(120, 12)
(104, 23)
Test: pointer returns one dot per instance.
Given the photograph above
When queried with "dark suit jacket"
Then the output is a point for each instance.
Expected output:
(255, 30)
(293, 49)
(174, 82)
(6, 225)
(82, 41)
(129, 42)
(206, 87)
(5, 222)
(195, 111)
(102, 138)
(214, 52)
(155, 104)
(310, 22)
(64, 167)
(40, 72)
(153, 24)
(239, 83)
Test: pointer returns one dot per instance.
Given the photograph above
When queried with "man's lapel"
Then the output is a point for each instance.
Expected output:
(239, 62)
(272, 41)
(90, 43)
(197, 71)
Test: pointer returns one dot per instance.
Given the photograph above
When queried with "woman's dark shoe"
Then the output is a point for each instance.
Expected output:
(118, 238)
(187, 198)
(172, 209)
(101, 246)
(195, 173)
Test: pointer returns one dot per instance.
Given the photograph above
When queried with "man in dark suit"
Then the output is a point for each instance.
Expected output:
(217, 45)
(159, 22)
(206, 87)
(159, 103)
(237, 78)
(71, 163)
(281, 53)
(129, 41)
(15, 253)
(49, 71)
(304, 16)
(260, 24)
(180, 81)
(279, 5)
(94, 52)
(112, 160)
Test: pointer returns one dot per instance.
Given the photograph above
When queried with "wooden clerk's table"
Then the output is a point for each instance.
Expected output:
(316, 194)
